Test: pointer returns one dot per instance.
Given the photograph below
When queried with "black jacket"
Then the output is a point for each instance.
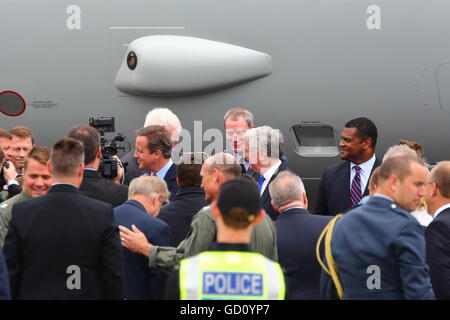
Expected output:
(297, 235)
(178, 213)
(96, 187)
(438, 254)
(334, 189)
(60, 237)
(266, 200)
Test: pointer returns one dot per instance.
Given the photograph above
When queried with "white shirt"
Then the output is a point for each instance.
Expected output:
(438, 211)
(240, 159)
(268, 175)
(366, 169)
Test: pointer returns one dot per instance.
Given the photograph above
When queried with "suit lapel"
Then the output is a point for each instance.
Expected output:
(375, 165)
(266, 194)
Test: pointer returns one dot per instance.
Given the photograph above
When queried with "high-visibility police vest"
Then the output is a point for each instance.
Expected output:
(230, 275)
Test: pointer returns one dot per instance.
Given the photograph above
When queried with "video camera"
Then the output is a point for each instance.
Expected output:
(110, 148)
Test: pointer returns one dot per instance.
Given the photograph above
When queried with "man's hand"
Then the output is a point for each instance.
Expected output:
(135, 240)
(120, 171)
(10, 173)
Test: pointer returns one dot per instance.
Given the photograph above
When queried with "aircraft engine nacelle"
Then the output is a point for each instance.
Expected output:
(177, 66)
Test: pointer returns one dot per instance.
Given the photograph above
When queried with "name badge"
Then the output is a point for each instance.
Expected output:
(233, 283)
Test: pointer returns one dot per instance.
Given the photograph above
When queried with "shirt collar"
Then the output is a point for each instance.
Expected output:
(296, 207)
(438, 211)
(90, 169)
(379, 195)
(269, 173)
(63, 183)
(163, 171)
(367, 166)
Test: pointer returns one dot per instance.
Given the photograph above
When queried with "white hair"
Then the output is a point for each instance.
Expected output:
(286, 188)
(399, 149)
(149, 186)
(265, 140)
(166, 118)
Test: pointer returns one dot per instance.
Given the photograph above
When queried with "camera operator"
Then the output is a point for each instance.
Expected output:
(94, 185)
(9, 186)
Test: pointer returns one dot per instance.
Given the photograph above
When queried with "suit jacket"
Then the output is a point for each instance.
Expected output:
(334, 189)
(171, 179)
(94, 186)
(179, 212)
(141, 282)
(4, 281)
(379, 250)
(63, 245)
(297, 235)
(438, 254)
(266, 200)
(132, 171)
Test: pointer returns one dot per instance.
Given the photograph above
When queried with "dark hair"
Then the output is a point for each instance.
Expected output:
(188, 171)
(157, 139)
(66, 157)
(2, 157)
(90, 139)
(239, 203)
(365, 129)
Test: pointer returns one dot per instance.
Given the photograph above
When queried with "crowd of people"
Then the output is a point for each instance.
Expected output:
(233, 225)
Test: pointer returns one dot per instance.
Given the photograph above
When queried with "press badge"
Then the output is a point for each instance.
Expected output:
(233, 283)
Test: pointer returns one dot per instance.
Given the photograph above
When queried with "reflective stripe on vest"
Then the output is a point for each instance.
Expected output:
(230, 275)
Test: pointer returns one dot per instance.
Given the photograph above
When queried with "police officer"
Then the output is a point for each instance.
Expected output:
(230, 270)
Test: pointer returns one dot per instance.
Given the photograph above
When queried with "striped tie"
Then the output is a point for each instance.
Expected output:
(355, 191)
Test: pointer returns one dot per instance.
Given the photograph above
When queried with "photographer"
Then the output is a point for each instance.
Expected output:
(8, 183)
(94, 185)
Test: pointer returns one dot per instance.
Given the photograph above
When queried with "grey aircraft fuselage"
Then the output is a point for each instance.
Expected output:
(332, 61)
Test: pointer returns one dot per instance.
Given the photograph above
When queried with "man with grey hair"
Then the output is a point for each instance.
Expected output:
(157, 116)
(63, 245)
(297, 234)
(263, 147)
(146, 194)
(216, 170)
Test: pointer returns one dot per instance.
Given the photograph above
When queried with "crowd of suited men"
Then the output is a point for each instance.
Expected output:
(59, 216)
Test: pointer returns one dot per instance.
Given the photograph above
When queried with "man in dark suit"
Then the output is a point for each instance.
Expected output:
(94, 185)
(438, 231)
(146, 195)
(344, 184)
(189, 199)
(157, 116)
(263, 148)
(153, 151)
(297, 235)
(4, 280)
(379, 247)
(63, 245)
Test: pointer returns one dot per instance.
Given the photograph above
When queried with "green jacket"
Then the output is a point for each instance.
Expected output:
(6, 214)
(202, 235)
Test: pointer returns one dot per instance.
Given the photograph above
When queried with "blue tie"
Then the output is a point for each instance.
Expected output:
(261, 182)
(355, 191)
